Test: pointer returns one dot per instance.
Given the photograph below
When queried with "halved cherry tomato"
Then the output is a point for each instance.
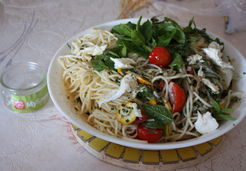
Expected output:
(177, 97)
(149, 134)
(160, 56)
(141, 119)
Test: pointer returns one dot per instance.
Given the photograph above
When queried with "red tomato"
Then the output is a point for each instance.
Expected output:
(160, 56)
(149, 134)
(177, 97)
(142, 119)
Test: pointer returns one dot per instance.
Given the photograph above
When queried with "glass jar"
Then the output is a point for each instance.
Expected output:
(24, 87)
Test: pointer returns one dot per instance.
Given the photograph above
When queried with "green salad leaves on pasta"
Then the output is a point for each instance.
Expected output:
(150, 81)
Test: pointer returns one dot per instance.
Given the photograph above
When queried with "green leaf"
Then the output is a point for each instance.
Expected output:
(147, 30)
(111, 53)
(226, 110)
(166, 38)
(221, 113)
(98, 65)
(215, 105)
(145, 93)
(154, 124)
(123, 51)
(147, 48)
(158, 112)
(222, 116)
(137, 38)
(177, 61)
(189, 28)
(138, 24)
(101, 62)
(180, 35)
(122, 29)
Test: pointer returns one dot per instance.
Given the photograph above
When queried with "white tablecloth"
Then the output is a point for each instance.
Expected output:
(42, 140)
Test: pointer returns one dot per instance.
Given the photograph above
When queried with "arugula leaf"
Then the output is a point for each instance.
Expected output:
(215, 105)
(224, 117)
(221, 113)
(122, 29)
(112, 52)
(180, 35)
(137, 38)
(123, 50)
(138, 24)
(158, 112)
(101, 62)
(98, 65)
(147, 31)
(226, 110)
(166, 38)
(154, 124)
(177, 61)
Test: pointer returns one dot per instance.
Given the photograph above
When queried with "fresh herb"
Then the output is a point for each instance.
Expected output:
(147, 31)
(158, 112)
(142, 38)
(154, 124)
(101, 62)
(221, 113)
(145, 93)
(177, 61)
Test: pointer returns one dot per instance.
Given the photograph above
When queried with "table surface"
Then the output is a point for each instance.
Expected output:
(42, 140)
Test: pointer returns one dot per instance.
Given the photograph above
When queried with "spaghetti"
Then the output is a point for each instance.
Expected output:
(89, 87)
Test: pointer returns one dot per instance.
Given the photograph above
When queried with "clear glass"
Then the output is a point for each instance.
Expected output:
(24, 87)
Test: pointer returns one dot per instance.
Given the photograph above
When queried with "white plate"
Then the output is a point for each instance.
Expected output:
(59, 97)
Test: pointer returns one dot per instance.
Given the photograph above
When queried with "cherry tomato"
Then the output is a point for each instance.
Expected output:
(149, 134)
(177, 97)
(160, 56)
(142, 119)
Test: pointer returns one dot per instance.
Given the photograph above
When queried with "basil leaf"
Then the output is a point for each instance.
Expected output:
(177, 61)
(154, 124)
(158, 112)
